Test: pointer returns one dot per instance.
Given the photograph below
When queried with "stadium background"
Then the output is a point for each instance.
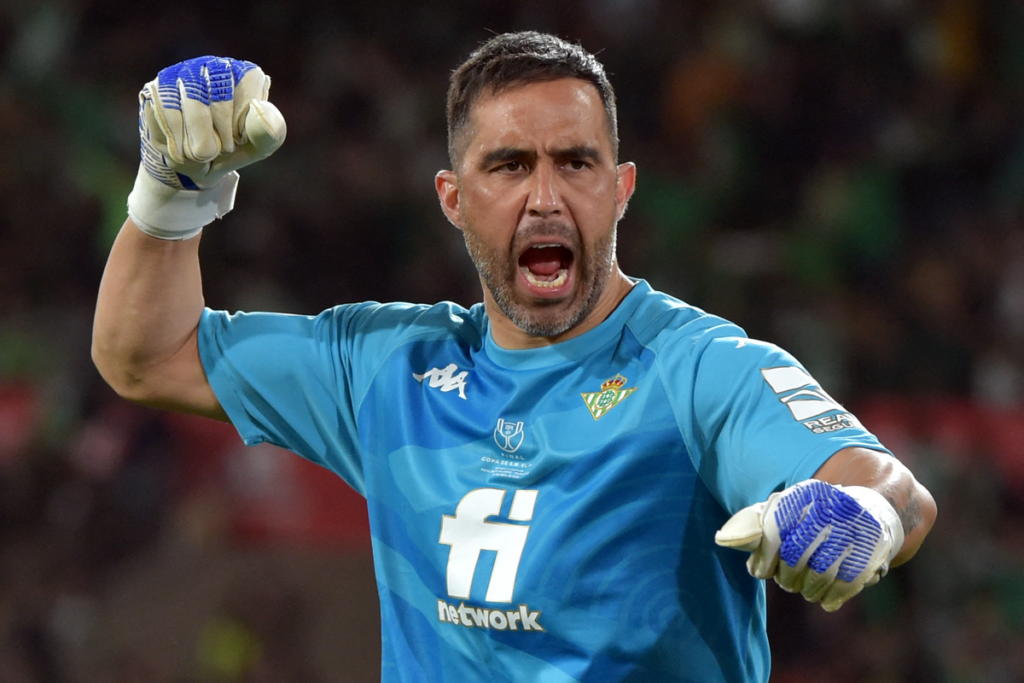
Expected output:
(843, 178)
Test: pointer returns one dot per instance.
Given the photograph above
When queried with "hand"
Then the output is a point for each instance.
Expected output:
(199, 121)
(832, 540)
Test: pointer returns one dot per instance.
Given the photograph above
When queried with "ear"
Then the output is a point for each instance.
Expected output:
(447, 185)
(625, 183)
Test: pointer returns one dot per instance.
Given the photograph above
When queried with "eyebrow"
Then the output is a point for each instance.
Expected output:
(585, 152)
(503, 155)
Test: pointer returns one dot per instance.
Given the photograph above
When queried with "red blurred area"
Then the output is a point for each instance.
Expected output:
(961, 428)
(19, 417)
(272, 496)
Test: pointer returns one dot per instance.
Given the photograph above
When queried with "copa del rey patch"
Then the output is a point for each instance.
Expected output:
(610, 395)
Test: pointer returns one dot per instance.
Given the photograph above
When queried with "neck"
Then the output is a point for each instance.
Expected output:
(508, 335)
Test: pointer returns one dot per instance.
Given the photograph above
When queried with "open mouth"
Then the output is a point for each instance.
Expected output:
(546, 266)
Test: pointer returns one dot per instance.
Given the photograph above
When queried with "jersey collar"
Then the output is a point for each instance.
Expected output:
(573, 349)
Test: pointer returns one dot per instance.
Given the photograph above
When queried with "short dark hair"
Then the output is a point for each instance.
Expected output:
(513, 59)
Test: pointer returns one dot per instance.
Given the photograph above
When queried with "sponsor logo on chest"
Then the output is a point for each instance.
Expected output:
(468, 533)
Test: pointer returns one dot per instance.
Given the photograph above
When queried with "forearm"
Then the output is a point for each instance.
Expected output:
(149, 305)
(887, 475)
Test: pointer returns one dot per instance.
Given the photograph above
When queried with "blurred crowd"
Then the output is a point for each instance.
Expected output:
(842, 177)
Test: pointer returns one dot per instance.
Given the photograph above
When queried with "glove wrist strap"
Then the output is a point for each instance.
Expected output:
(169, 214)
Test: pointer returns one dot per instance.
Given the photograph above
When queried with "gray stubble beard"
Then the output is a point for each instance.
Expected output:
(499, 272)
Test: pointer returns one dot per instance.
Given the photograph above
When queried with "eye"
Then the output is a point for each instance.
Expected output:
(578, 165)
(510, 167)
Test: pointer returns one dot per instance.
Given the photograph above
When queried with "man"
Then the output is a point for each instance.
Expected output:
(545, 472)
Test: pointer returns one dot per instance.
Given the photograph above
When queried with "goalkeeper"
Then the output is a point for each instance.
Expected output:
(579, 478)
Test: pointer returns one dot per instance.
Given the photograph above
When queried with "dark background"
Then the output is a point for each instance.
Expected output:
(843, 178)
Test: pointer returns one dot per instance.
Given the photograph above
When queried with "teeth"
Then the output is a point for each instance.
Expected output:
(563, 275)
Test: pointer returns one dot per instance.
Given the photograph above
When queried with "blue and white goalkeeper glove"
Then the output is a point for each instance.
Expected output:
(824, 541)
(199, 121)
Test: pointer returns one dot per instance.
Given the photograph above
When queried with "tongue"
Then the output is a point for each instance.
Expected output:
(544, 262)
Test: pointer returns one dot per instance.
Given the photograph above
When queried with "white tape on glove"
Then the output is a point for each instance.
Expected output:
(199, 122)
(823, 541)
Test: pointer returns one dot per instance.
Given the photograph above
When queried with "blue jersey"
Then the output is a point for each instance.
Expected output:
(548, 514)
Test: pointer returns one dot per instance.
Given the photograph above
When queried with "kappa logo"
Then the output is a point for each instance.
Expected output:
(508, 435)
(799, 392)
(611, 395)
(445, 379)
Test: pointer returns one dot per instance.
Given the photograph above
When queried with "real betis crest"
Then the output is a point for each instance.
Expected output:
(611, 395)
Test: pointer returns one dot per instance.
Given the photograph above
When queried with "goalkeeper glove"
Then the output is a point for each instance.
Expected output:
(199, 121)
(824, 541)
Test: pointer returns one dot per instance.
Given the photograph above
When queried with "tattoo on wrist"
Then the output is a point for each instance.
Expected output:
(909, 514)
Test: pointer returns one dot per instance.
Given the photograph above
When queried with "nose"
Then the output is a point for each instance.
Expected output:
(545, 198)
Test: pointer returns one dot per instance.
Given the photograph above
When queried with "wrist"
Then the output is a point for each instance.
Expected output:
(171, 214)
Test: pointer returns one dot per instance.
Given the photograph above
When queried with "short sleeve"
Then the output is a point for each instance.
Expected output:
(760, 422)
(285, 379)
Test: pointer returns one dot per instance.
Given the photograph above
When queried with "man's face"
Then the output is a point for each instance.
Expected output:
(538, 196)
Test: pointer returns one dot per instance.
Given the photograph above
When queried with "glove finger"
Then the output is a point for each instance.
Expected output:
(787, 579)
(806, 579)
(265, 128)
(816, 585)
(764, 562)
(840, 591)
(221, 118)
(742, 531)
(162, 113)
(865, 572)
(221, 81)
(153, 127)
(266, 132)
(251, 85)
(794, 578)
(802, 579)
(201, 141)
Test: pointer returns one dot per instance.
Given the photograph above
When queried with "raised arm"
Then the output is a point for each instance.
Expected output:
(199, 121)
(147, 315)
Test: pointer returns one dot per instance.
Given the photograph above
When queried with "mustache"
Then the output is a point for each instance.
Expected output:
(547, 228)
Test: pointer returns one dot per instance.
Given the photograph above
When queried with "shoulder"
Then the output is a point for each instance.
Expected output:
(664, 323)
(441, 320)
(367, 327)
(686, 339)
